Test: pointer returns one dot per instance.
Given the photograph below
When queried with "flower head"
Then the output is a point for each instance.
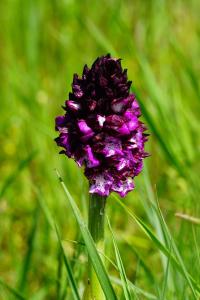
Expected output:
(101, 129)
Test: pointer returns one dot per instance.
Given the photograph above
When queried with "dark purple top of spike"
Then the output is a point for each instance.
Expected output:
(101, 129)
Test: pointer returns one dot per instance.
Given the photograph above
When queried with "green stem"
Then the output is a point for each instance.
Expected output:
(96, 226)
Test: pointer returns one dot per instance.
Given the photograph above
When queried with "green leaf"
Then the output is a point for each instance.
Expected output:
(72, 281)
(163, 297)
(90, 245)
(120, 265)
(180, 267)
(134, 288)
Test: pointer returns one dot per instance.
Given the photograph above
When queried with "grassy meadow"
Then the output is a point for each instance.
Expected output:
(42, 44)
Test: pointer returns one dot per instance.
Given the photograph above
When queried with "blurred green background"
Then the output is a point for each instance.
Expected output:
(42, 44)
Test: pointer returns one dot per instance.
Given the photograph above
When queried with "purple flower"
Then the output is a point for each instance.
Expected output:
(101, 129)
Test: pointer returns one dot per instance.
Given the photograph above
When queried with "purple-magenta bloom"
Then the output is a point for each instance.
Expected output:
(101, 129)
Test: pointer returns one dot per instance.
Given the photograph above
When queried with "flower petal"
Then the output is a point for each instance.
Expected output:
(131, 120)
(77, 91)
(123, 187)
(112, 146)
(90, 160)
(101, 120)
(101, 185)
(118, 105)
(72, 105)
(64, 141)
(60, 122)
(86, 131)
(136, 108)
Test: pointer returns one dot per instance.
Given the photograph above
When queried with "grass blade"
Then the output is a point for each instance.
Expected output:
(180, 262)
(188, 218)
(92, 251)
(135, 289)
(158, 135)
(72, 281)
(192, 283)
(122, 272)
(163, 297)
(12, 290)
(27, 261)
(11, 178)
(59, 273)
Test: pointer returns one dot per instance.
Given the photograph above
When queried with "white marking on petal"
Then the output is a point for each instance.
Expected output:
(101, 120)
